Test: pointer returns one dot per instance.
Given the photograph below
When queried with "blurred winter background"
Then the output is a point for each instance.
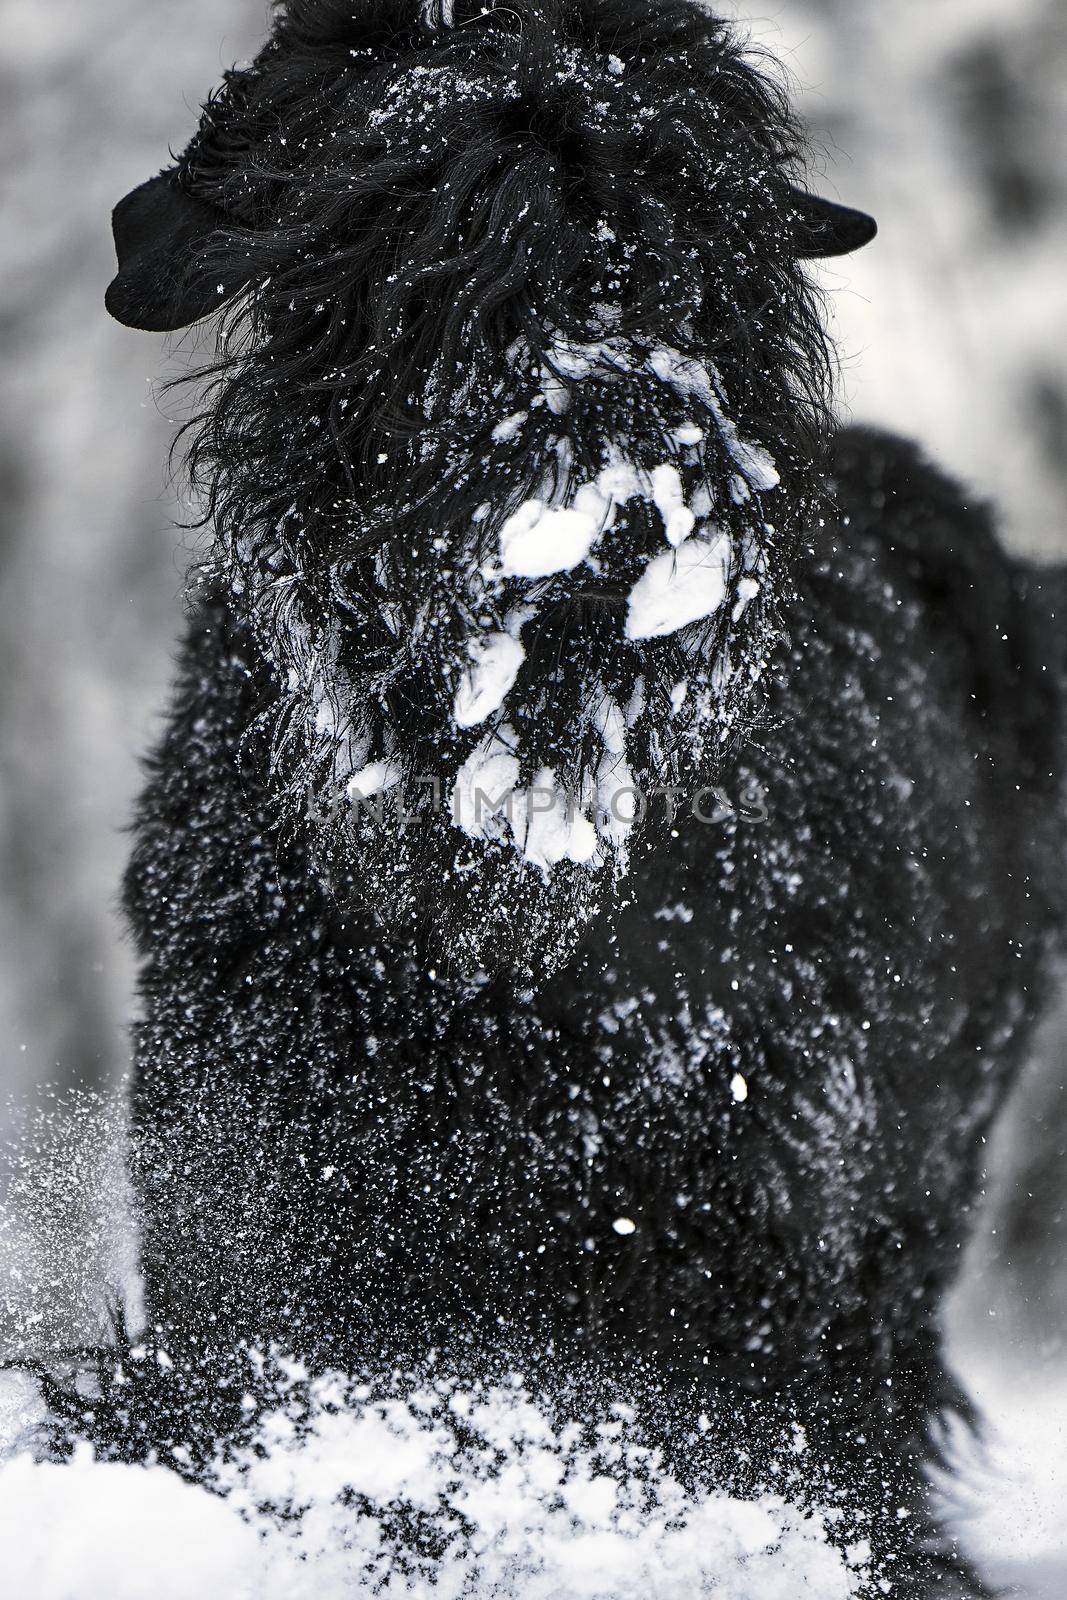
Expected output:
(947, 118)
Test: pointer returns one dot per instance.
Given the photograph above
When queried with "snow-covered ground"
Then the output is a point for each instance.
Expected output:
(509, 1504)
(515, 1512)
(447, 1492)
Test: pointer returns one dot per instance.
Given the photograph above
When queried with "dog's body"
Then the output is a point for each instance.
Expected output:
(365, 1160)
(726, 1131)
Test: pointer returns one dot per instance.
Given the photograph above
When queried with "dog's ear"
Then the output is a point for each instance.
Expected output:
(824, 228)
(164, 281)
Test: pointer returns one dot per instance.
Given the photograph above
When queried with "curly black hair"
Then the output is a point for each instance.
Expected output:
(473, 267)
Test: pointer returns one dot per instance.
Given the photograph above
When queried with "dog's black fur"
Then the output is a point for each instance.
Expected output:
(394, 1083)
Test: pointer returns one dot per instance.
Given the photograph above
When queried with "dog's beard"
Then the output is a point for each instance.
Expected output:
(500, 855)
(468, 908)
(474, 722)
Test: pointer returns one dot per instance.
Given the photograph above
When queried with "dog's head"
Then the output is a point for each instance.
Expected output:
(512, 432)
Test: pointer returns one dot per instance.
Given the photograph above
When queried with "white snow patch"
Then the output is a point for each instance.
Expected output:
(618, 799)
(637, 703)
(538, 539)
(678, 520)
(548, 825)
(483, 689)
(679, 587)
(747, 590)
(509, 427)
(619, 802)
(90, 1531)
(690, 378)
(485, 786)
(611, 724)
(544, 823)
(542, 538)
(372, 779)
(438, 13)
(1005, 1492)
(518, 1511)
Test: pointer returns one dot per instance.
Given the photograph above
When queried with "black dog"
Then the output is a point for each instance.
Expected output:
(595, 884)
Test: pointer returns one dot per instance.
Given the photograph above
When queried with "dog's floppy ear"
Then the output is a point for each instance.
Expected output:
(164, 282)
(824, 228)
